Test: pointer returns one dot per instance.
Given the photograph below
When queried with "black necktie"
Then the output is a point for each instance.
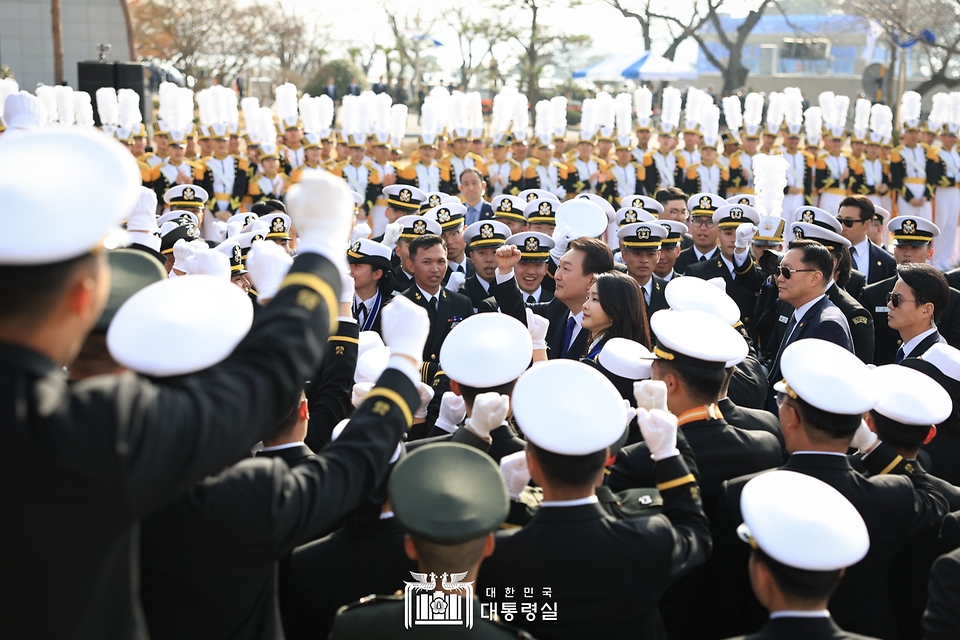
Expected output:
(702, 259)
(786, 337)
(434, 301)
(459, 268)
(531, 300)
(853, 259)
(432, 309)
(900, 356)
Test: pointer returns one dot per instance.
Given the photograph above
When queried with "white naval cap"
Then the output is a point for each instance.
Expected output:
(372, 364)
(449, 215)
(646, 203)
(630, 215)
(432, 199)
(414, 226)
(731, 216)
(626, 358)
(486, 350)
(43, 220)
(807, 231)
(357, 198)
(242, 219)
(817, 216)
(910, 397)
(802, 522)
(568, 407)
(880, 214)
(704, 204)
(826, 376)
(180, 326)
(583, 218)
(186, 195)
(541, 211)
(368, 340)
(642, 236)
(404, 197)
(604, 205)
(744, 198)
(945, 358)
(180, 216)
(278, 225)
(696, 338)
(912, 231)
(697, 294)
(509, 207)
(529, 195)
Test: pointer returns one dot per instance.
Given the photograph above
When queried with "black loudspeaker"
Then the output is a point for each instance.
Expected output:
(119, 75)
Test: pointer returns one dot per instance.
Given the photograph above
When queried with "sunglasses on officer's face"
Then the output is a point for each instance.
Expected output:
(786, 272)
(894, 299)
(849, 222)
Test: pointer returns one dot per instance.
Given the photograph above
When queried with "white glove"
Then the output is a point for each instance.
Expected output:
(426, 395)
(392, 233)
(347, 286)
(457, 278)
(361, 231)
(864, 439)
(745, 233)
(537, 325)
(453, 409)
(268, 264)
(405, 327)
(631, 411)
(182, 253)
(659, 430)
(489, 411)
(321, 208)
(719, 283)
(515, 472)
(561, 239)
(144, 214)
(650, 394)
(360, 391)
(210, 263)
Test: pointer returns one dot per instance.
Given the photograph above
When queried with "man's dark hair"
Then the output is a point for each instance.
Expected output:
(832, 426)
(669, 194)
(867, 210)
(928, 284)
(598, 258)
(448, 558)
(289, 420)
(470, 394)
(800, 584)
(472, 170)
(844, 266)
(815, 256)
(266, 207)
(425, 242)
(897, 434)
(702, 385)
(570, 471)
(32, 291)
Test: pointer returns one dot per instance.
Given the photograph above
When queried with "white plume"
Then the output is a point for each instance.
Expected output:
(250, 108)
(710, 124)
(429, 119)
(543, 123)
(827, 108)
(606, 112)
(624, 114)
(769, 182)
(841, 108)
(881, 121)
(940, 109)
(227, 106)
(643, 103)
(168, 92)
(65, 111)
(325, 112)
(753, 110)
(670, 107)
(381, 111)
(954, 108)
(398, 124)
(732, 113)
(366, 106)
(559, 105)
(792, 106)
(775, 112)
(182, 114)
(83, 109)
(107, 107)
(7, 87)
(285, 103)
(502, 111)
(861, 117)
(47, 96)
(521, 113)
(441, 101)
(474, 110)
(458, 111)
(128, 102)
(310, 114)
(205, 107)
(588, 119)
(813, 124)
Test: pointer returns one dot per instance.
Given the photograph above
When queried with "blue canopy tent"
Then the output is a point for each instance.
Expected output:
(636, 66)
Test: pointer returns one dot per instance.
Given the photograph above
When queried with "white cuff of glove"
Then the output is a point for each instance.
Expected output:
(404, 366)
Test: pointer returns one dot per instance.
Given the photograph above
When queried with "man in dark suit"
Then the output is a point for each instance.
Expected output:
(353, 89)
(330, 89)
(856, 214)
(472, 188)
(95, 457)
(579, 263)
(821, 400)
(640, 248)
(912, 240)
(428, 262)
(942, 363)
(703, 229)
(941, 621)
(799, 556)
(805, 272)
(567, 461)
(915, 303)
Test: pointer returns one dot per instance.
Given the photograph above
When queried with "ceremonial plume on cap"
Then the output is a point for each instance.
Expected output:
(624, 115)
(793, 110)
(710, 124)
(458, 114)
(250, 107)
(732, 114)
(8, 86)
(559, 104)
(753, 114)
(643, 106)
(398, 124)
(128, 101)
(693, 112)
(65, 110)
(543, 125)
(813, 119)
(588, 119)
(502, 111)
(107, 108)
(953, 122)
(606, 114)
(881, 123)
(521, 117)
(940, 111)
(670, 110)
(83, 109)
(774, 113)
(310, 114)
(48, 98)
(769, 181)
(285, 104)
(910, 109)
(861, 119)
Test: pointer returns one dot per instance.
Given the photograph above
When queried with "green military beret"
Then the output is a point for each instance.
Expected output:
(130, 271)
(448, 493)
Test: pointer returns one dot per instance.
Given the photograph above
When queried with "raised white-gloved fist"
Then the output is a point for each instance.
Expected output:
(650, 394)
(745, 233)
(561, 239)
(489, 411)
(426, 393)
(347, 286)
(360, 391)
(268, 264)
(659, 430)
(360, 231)
(453, 409)
(405, 327)
(864, 439)
(182, 253)
(321, 208)
(537, 325)
(144, 214)
(515, 473)
(457, 278)
(392, 233)
(210, 263)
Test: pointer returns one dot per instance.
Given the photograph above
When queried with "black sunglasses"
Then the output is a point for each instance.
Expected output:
(894, 299)
(849, 222)
(786, 272)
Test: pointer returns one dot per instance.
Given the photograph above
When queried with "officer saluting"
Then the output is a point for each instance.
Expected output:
(94, 458)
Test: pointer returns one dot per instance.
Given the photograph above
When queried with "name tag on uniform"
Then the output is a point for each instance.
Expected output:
(783, 319)
(883, 309)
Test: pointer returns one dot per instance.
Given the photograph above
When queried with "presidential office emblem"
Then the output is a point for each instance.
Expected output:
(426, 605)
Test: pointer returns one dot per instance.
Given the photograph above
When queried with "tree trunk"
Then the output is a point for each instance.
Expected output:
(131, 33)
(57, 41)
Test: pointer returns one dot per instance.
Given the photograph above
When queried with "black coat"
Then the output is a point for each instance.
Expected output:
(468, 266)
(743, 288)
(209, 559)
(859, 321)
(510, 300)
(329, 392)
(93, 458)
(658, 298)
(802, 629)
(942, 618)
(856, 284)
(896, 510)
(364, 560)
(290, 455)
(475, 291)
(751, 419)
(882, 265)
(606, 575)
(687, 257)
